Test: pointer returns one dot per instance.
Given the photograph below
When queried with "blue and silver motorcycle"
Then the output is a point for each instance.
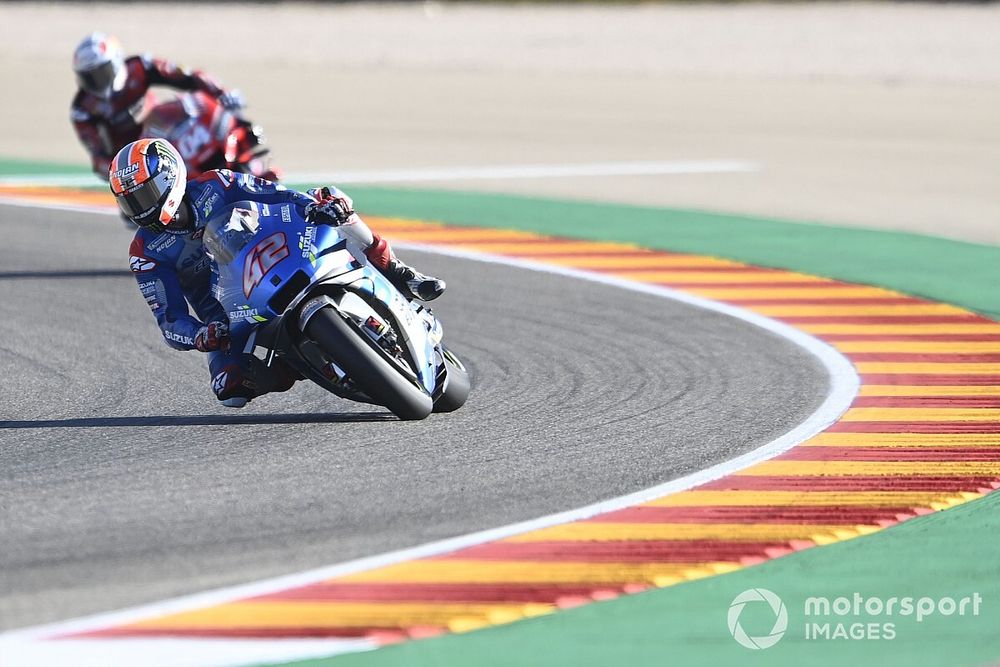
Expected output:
(306, 293)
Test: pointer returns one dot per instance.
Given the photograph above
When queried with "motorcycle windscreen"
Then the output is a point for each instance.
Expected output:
(225, 237)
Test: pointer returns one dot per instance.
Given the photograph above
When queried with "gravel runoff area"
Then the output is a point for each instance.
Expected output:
(874, 114)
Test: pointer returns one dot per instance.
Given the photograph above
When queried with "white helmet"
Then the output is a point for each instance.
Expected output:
(100, 65)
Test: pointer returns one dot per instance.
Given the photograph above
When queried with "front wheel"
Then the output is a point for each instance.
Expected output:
(456, 387)
(370, 371)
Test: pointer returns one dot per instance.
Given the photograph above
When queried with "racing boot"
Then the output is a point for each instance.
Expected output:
(406, 279)
(335, 208)
(412, 283)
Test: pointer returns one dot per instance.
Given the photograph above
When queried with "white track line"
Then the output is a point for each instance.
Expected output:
(172, 652)
(528, 171)
(453, 173)
(844, 384)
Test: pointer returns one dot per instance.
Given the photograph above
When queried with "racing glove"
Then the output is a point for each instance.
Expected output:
(212, 337)
(232, 100)
(332, 207)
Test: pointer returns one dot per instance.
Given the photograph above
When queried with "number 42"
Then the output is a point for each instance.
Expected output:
(262, 259)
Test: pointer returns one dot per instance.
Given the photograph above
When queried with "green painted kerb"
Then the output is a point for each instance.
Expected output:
(12, 167)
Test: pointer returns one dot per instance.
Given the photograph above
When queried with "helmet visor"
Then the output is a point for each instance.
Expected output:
(142, 205)
(98, 80)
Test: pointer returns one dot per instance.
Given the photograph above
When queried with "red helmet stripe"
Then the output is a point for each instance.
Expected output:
(138, 154)
(116, 183)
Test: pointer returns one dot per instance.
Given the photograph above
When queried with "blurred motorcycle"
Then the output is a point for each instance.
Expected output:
(208, 136)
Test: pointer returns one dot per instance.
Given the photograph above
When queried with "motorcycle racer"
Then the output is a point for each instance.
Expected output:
(174, 271)
(113, 95)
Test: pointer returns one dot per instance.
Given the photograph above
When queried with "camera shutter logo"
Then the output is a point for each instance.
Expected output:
(780, 618)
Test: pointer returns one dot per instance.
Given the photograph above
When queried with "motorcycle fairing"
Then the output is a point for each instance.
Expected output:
(270, 261)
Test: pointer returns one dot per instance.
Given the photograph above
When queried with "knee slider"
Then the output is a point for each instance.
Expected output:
(234, 381)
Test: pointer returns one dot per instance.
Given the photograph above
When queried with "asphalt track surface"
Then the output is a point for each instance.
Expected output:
(122, 481)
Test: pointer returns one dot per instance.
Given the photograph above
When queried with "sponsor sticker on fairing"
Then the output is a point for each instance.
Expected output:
(307, 245)
(246, 313)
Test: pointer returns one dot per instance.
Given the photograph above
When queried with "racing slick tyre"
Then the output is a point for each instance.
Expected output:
(369, 367)
(456, 388)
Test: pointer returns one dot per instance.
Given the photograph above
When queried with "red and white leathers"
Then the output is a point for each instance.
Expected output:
(104, 125)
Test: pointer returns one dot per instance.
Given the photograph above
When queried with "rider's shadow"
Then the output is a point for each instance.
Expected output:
(202, 420)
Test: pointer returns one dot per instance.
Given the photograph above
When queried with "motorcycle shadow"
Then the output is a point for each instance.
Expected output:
(65, 275)
(202, 420)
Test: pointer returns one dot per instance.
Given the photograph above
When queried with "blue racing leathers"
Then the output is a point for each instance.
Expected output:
(175, 277)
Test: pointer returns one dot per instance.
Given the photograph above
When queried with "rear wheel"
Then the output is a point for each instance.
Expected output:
(367, 366)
